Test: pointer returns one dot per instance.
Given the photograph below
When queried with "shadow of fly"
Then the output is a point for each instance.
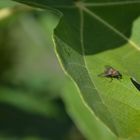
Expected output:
(112, 73)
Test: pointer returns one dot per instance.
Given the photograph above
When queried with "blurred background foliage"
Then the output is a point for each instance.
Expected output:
(31, 80)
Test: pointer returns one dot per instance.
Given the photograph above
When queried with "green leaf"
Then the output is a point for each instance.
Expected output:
(90, 35)
(87, 122)
(104, 40)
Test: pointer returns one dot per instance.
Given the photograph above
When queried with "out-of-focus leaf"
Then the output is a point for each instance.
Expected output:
(19, 125)
(7, 3)
(29, 74)
(7, 9)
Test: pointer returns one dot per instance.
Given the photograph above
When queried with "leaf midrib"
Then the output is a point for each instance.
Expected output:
(83, 51)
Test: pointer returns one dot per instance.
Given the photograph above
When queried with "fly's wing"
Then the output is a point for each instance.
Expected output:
(105, 73)
(109, 71)
(107, 67)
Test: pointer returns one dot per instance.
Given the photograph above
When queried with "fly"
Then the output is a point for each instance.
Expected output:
(110, 72)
